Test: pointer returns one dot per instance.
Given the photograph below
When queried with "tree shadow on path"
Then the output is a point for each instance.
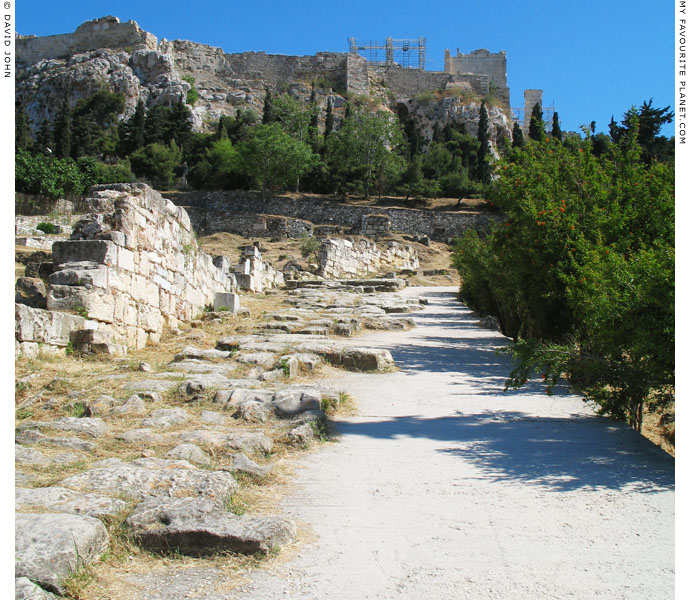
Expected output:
(559, 454)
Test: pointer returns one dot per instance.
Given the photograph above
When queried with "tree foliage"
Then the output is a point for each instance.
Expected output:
(273, 158)
(580, 272)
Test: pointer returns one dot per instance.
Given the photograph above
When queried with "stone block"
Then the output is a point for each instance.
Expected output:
(98, 251)
(125, 259)
(83, 274)
(230, 301)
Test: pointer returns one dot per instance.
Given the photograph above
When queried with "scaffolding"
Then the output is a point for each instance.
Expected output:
(407, 53)
(517, 113)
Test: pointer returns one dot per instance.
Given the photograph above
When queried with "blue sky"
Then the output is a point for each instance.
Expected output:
(592, 59)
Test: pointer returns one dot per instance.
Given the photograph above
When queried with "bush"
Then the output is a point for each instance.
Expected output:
(309, 246)
(47, 228)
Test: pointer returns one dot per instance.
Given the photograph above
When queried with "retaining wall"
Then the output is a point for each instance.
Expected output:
(211, 210)
(343, 258)
(134, 265)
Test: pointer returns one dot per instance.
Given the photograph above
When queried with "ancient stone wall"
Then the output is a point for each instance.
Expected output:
(134, 265)
(407, 83)
(106, 32)
(438, 225)
(482, 62)
(247, 224)
(343, 258)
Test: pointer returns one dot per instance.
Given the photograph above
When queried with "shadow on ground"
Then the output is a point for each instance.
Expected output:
(558, 454)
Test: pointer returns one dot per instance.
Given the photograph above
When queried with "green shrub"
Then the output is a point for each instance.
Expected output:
(46, 228)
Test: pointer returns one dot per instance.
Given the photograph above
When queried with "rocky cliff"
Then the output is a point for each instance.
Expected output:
(121, 57)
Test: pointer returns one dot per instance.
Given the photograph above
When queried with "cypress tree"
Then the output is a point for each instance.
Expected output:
(314, 121)
(483, 171)
(63, 130)
(556, 128)
(268, 117)
(45, 140)
(518, 137)
(329, 118)
(22, 137)
(536, 124)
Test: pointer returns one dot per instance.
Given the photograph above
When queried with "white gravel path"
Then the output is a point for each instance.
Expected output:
(445, 487)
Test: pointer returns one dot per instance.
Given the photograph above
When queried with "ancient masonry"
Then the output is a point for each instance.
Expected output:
(344, 258)
(129, 268)
(245, 213)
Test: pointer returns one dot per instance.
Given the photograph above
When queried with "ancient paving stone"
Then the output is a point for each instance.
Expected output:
(62, 500)
(240, 462)
(164, 418)
(31, 456)
(246, 441)
(25, 589)
(233, 398)
(144, 436)
(134, 405)
(253, 411)
(362, 359)
(103, 404)
(191, 453)
(48, 547)
(263, 359)
(146, 477)
(190, 352)
(388, 323)
(153, 385)
(212, 417)
(274, 375)
(302, 435)
(306, 360)
(192, 526)
(93, 427)
(292, 401)
(31, 437)
(202, 366)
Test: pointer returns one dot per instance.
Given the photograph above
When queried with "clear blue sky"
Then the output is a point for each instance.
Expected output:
(593, 59)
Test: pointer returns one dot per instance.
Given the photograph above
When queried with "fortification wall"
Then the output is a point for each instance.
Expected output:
(134, 265)
(106, 32)
(205, 207)
(482, 62)
(343, 258)
(409, 82)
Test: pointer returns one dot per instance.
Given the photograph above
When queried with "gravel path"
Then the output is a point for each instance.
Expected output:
(445, 487)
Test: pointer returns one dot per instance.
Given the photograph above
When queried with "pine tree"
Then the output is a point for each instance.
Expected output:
(22, 136)
(518, 136)
(268, 117)
(63, 130)
(556, 128)
(536, 124)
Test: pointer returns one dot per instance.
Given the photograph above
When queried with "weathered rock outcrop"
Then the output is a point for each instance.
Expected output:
(123, 58)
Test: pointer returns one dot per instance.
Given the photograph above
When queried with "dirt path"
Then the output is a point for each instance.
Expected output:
(445, 487)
